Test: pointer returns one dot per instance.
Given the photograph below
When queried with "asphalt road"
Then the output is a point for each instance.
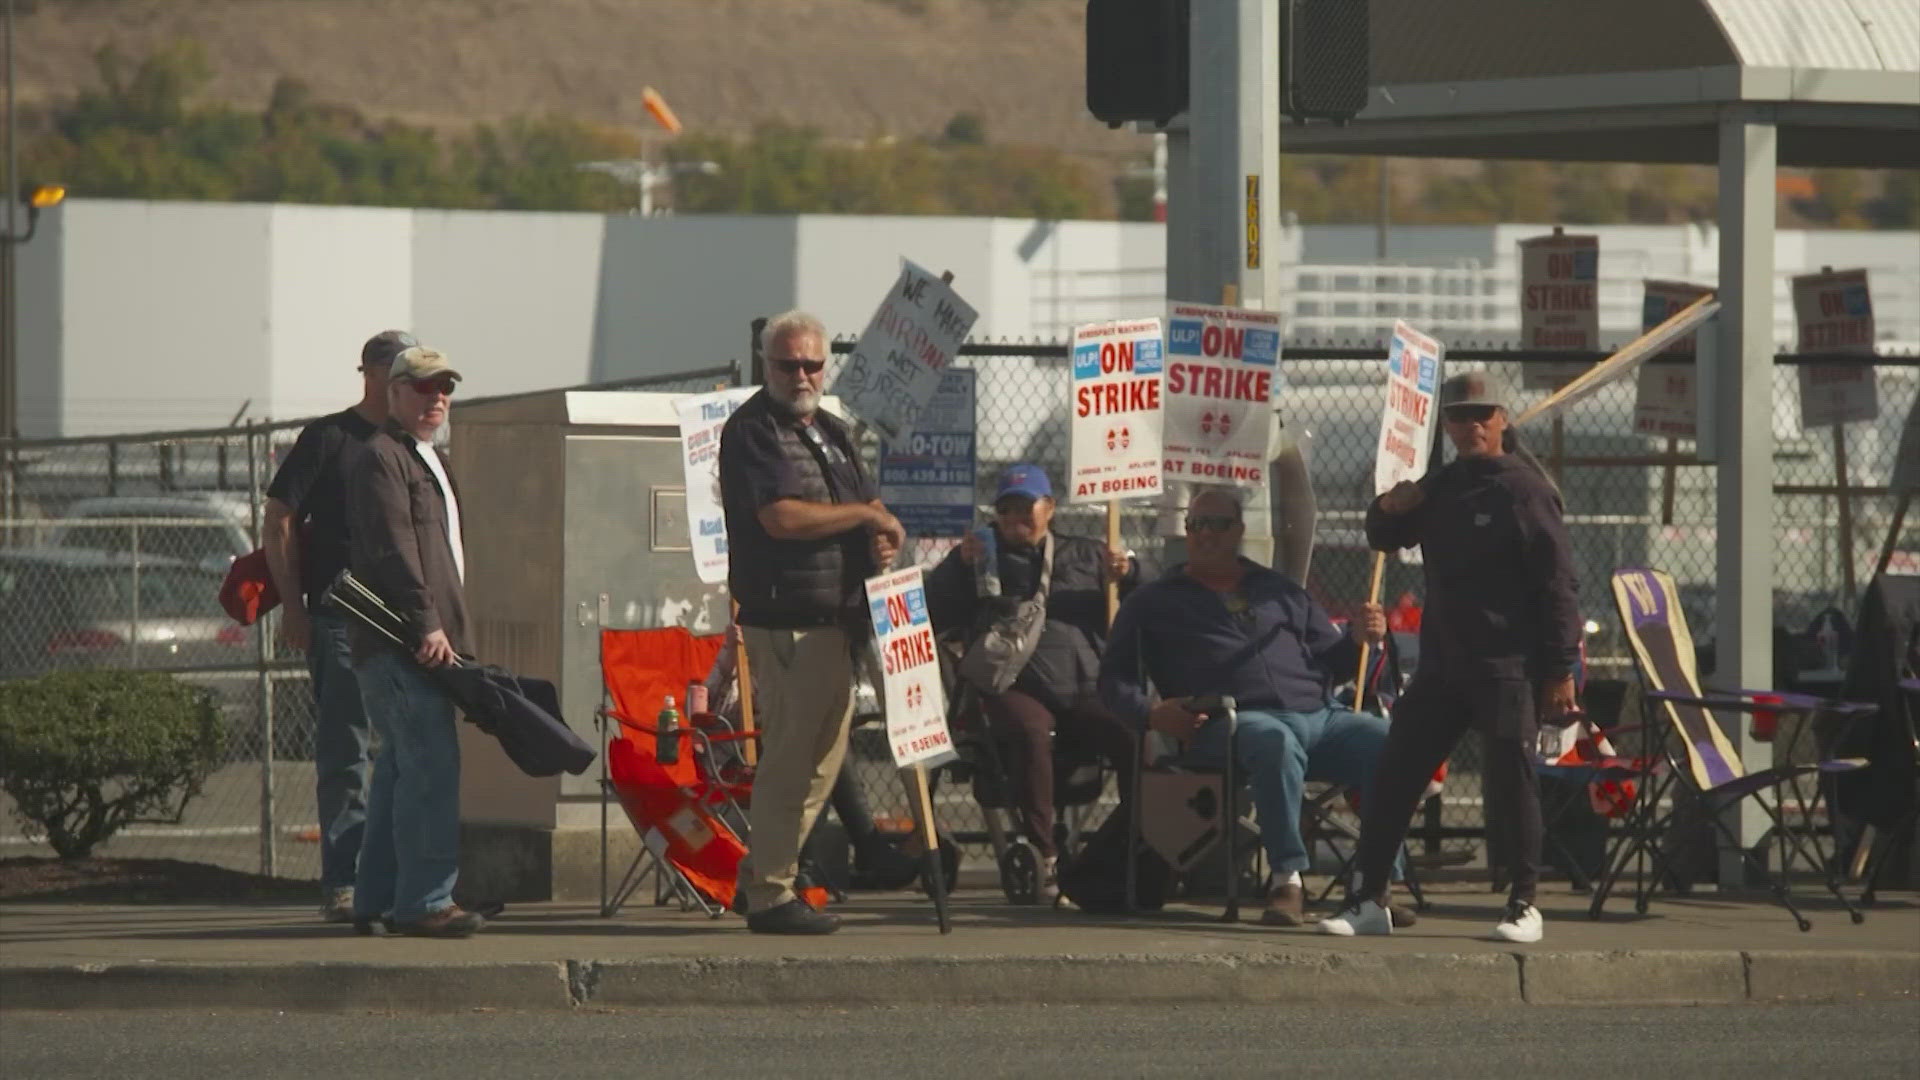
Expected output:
(1863, 1040)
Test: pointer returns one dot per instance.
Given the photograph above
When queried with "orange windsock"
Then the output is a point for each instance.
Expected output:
(657, 108)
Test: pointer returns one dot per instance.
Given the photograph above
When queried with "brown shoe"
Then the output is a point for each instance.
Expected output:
(448, 922)
(1286, 906)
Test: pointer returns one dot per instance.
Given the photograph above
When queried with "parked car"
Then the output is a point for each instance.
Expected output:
(210, 529)
(63, 608)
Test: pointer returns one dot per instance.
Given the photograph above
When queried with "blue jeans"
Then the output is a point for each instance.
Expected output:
(341, 758)
(1280, 751)
(412, 852)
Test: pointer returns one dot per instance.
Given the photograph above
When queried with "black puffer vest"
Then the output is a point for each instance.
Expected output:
(791, 584)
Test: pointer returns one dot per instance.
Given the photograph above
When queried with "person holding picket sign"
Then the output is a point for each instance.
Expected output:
(1498, 643)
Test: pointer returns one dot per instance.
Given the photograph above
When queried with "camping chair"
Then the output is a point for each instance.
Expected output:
(690, 812)
(1705, 763)
(1210, 799)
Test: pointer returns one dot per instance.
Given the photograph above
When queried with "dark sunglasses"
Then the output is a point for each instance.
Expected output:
(442, 384)
(794, 367)
(1470, 414)
(1211, 522)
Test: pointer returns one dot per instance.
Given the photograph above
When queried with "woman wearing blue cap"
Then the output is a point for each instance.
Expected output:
(1055, 690)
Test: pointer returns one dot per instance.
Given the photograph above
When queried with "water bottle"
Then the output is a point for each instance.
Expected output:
(988, 573)
(666, 736)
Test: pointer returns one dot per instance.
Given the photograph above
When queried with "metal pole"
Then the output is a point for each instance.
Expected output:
(263, 645)
(9, 409)
(1743, 398)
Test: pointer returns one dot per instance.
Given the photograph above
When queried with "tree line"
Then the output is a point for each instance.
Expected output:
(141, 133)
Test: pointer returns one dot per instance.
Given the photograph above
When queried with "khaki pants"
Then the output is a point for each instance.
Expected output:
(804, 680)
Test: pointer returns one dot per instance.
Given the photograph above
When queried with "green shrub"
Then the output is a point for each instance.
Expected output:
(85, 753)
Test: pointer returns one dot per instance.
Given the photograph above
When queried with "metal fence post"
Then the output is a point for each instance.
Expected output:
(263, 656)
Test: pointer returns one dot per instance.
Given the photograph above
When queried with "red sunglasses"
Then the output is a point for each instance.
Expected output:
(439, 384)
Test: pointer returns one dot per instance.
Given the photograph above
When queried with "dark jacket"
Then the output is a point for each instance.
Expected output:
(397, 522)
(767, 455)
(1066, 663)
(1499, 570)
(1281, 653)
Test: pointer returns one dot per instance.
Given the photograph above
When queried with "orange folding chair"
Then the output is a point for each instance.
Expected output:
(690, 812)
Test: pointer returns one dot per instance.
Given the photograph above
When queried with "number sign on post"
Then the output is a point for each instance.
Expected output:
(1835, 315)
(1664, 398)
(909, 669)
(1559, 304)
(927, 478)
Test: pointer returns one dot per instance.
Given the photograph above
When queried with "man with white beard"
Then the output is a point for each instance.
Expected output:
(805, 529)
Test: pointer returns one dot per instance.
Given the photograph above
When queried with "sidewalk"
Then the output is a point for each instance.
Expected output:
(1698, 950)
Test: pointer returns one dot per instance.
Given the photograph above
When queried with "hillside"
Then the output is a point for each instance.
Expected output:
(852, 68)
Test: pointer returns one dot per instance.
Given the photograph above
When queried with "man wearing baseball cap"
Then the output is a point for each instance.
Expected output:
(1057, 689)
(407, 547)
(304, 534)
(1498, 643)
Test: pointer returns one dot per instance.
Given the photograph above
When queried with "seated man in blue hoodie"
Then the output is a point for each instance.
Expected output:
(1223, 624)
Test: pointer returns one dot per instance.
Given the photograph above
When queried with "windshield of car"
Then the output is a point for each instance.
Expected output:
(164, 592)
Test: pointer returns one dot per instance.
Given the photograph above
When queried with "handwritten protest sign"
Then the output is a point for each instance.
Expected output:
(1217, 413)
(927, 478)
(701, 418)
(1559, 304)
(1835, 314)
(1406, 427)
(895, 367)
(1664, 401)
(1115, 386)
(909, 669)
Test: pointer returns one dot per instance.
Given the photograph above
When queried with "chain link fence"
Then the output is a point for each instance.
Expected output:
(112, 552)
(1631, 500)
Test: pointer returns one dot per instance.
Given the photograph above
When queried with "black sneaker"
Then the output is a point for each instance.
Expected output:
(796, 916)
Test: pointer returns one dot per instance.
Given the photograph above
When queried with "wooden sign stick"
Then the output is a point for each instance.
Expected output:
(749, 748)
(1846, 511)
(1373, 597)
(1113, 544)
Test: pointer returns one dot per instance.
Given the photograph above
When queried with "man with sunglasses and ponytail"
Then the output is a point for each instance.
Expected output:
(1499, 640)
(1224, 624)
(404, 512)
(805, 529)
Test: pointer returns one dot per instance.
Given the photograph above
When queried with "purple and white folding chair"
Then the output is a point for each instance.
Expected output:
(1703, 761)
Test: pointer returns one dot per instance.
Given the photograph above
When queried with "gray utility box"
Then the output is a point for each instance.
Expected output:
(574, 506)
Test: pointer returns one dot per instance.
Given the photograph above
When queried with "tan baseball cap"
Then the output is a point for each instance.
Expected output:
(420, 362)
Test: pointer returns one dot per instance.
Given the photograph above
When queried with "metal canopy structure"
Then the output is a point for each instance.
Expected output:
(1635, 81)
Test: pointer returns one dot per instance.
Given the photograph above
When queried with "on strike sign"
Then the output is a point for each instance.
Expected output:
(909, 668)
(1116, 410)
(1221, 364)
(1664, 400)
(895, 366)
(1835, 313)
(1559, 304)
(1406, 428)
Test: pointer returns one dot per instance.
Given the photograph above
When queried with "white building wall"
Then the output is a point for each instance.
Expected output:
(147, 316)
(335, 281)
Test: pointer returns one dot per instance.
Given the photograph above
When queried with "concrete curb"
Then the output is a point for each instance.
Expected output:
(1588, 978)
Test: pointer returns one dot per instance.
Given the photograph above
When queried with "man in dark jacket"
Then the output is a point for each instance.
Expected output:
(805, 529)
(1056, 690)
(305, 538)
(404, 516)
(1224, 624)
(1498, 643)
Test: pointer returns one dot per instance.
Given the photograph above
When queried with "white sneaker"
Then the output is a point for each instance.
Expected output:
(1521, 923)
(1359, 917)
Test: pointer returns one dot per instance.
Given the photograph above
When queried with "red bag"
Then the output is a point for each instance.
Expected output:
(248, 591)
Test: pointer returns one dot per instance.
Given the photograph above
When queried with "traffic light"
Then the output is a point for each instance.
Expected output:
(1324, 59)
(1136, 60)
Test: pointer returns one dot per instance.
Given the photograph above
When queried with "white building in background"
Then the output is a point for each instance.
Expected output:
(139, 316)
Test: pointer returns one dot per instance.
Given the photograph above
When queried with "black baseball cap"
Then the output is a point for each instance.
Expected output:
(382, 347)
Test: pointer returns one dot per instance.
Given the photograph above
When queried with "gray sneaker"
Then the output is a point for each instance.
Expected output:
(1358, 919)
(337, 905)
